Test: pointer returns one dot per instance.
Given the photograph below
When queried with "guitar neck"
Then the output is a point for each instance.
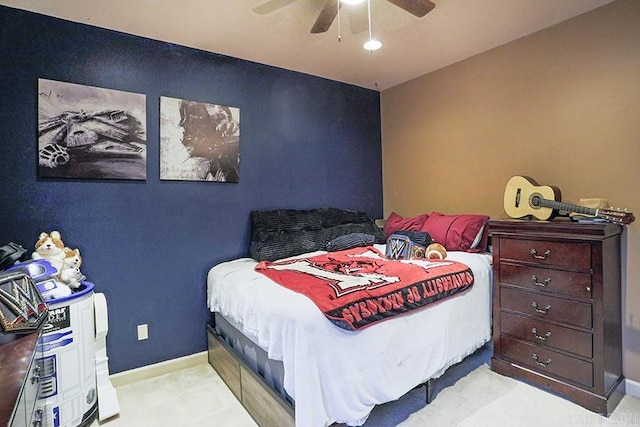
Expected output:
(567, 207)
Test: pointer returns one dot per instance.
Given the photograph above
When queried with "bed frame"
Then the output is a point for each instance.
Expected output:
(267, 407)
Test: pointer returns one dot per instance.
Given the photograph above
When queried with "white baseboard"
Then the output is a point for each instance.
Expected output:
(157, 369)
(632, 388)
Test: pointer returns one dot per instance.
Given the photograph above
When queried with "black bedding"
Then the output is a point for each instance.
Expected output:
(282, 233)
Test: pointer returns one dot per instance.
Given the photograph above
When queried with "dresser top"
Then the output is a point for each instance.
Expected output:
(558, 226)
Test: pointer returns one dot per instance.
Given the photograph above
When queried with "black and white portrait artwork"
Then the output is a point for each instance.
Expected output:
(199, 141)
(91, 133)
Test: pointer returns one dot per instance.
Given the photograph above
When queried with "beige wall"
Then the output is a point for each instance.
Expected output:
(561, 105)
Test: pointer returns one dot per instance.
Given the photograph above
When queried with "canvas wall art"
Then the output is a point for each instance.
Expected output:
(90, 132)
(199, 141)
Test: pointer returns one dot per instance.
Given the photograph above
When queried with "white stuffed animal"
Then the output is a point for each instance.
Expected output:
(71, 276)
(51, 248)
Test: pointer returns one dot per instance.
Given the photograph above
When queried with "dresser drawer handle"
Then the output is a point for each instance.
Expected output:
(545, 363)
(37, 418)
(544, 283)
(544, 337)
(543, 256)
(35, 374)
(540, 310)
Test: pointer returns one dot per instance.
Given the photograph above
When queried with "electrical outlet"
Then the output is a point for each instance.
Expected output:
(143, 332)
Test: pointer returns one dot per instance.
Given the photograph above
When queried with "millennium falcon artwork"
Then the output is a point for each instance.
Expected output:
(88, 132)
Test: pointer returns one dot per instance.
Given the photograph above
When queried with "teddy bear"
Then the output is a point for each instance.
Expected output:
(70, 273)
(50, 248)
(436, 251)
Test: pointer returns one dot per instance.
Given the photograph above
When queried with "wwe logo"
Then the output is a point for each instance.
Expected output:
(21, 305)
(398, 248)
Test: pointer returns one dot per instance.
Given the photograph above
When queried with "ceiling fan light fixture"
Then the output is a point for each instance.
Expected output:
(372, 44)
(352, 2)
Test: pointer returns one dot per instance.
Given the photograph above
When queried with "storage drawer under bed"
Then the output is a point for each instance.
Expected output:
(225, 364)
(265, 406)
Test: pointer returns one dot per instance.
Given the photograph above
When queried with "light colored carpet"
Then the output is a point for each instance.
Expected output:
(472, 396)
(188, 397)
(485, 398)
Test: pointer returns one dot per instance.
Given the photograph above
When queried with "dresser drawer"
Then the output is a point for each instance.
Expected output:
(25, 411)
(547, 361)
(547, 334)
(575, 256)
(547, 307)
(557, 281)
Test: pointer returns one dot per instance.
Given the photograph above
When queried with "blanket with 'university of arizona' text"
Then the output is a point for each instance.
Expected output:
(358, 287)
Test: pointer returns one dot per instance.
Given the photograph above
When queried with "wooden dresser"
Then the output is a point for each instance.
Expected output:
(19, 380)
(557, 308)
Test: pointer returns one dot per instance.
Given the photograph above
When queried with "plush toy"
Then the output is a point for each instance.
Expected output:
(436, 251)
(72, 257)
(70, 274)
(51, 248)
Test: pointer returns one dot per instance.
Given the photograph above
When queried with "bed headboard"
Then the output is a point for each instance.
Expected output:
(281, 233)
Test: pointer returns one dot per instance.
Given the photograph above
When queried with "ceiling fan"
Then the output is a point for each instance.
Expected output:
(329, 10)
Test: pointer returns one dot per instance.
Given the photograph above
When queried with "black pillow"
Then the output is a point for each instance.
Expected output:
(349, 241)
(281, 233)
(421, 238)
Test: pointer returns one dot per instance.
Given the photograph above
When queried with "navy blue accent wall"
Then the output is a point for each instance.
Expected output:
(147, 245)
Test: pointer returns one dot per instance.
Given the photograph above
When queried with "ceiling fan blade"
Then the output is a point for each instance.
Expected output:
(418, 8)
(271, 6)
(326, 17)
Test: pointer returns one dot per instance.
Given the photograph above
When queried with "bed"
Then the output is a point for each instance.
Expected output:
(287, 363)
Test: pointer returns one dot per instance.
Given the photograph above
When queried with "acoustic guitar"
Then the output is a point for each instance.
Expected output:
(523, 196)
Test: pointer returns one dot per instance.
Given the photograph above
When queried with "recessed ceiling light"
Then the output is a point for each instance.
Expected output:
(372, 44)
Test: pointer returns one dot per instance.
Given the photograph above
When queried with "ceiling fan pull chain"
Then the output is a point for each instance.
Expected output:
(339, 26)
(369, 16)
(371, 44)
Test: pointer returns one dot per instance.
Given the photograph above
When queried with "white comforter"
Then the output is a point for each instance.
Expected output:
(336, 375)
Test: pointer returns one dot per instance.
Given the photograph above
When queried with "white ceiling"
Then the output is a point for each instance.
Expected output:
(453, 31)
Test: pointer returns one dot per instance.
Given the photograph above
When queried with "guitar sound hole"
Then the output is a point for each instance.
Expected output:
(535, 201)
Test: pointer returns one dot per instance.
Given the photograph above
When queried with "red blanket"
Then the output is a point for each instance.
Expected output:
(358, 287)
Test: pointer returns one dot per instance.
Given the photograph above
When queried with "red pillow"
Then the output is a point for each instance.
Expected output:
(458, 232)
(396, 222)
